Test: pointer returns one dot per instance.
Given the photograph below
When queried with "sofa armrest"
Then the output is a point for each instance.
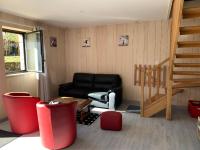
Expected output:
(118, 95)
(66, 86)
(111, 103)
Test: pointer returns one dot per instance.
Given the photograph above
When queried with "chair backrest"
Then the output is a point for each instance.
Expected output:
(105, 82)
(17, 94)
(102, 82)
(57, 124)
(83, 80)
(21, 111)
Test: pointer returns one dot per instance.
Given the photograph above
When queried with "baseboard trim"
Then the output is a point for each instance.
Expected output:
(136, 102)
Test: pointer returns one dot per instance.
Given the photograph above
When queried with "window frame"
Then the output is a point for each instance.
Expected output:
(23, 36)
(42, 50)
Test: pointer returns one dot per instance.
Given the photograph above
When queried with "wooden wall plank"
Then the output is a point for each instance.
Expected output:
(148, 44)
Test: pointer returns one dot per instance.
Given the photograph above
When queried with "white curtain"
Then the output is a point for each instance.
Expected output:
(43, 89)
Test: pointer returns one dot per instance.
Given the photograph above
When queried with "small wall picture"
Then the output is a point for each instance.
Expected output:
(53, 42)
(123, 40)
(86, 42)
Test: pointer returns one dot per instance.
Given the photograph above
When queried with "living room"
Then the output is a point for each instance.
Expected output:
(106, 38)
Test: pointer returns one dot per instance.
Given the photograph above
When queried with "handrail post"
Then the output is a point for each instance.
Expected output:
(158, 79)
(142, 93)
(149, 81)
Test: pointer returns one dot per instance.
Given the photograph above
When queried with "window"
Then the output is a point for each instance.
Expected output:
(23, 51)
(34, 51)
(14, 55)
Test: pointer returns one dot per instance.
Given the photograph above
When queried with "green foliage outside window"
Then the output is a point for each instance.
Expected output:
(11, 52)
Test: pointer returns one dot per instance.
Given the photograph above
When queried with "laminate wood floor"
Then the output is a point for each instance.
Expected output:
(137, 134)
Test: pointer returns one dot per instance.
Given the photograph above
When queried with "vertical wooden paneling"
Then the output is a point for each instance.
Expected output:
(22, 82)
(148, 44)
(55, 57)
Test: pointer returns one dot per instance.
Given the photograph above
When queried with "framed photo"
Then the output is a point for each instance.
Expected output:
(123, 40)
(86, 42)
(53, 42)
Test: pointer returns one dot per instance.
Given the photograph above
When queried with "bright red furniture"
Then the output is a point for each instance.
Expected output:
(194, 108)
(21, 111)
(57, 124)
(111, 120)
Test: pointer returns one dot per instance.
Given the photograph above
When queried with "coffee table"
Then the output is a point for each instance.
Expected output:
(83, 108)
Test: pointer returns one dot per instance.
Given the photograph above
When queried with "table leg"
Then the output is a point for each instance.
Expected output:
(89, 109)
(84, 114)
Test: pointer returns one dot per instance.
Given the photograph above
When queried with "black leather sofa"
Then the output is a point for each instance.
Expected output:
(84, 83)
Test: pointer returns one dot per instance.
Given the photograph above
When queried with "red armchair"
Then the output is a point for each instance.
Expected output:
(57, 124)
(21, 111)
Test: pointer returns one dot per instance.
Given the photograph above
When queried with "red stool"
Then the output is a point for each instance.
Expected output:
(111, 120)
(194, 108)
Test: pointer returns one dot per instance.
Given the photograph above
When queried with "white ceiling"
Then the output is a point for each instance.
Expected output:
(77, 13)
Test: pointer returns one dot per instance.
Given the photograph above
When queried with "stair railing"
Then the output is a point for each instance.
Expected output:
(152, 77)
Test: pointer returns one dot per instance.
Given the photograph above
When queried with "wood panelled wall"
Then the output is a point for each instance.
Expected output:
(55, 58)
(148, 44)
(22, 82)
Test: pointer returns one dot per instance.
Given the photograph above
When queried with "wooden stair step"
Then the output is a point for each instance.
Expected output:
(148, 103)
(153, 98)
(184, 44)
(186, 85)
(187, 64)
(155, 107)
(193, 12)
(176, 91)
(186, 72)
(183, 80)
(189, 30)
(159, 104)
(188, 55)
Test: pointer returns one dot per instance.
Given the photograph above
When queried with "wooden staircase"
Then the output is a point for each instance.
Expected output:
(190, 13)
(184, 71)
(153, 79)
(158, 104)
(189, 30)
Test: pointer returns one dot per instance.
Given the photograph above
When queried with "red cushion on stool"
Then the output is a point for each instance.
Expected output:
(111, 120)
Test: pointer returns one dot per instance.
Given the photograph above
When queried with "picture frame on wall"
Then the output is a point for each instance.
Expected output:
(53, 41)
(123, 40)
(86, 42)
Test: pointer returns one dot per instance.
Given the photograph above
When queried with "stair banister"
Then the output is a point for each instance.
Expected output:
(175, 25)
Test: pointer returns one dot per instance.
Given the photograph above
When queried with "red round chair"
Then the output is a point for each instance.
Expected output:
(57, 124)
(21, 111)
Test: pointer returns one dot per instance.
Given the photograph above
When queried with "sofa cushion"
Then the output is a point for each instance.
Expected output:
(83, 80)
(102, 87)
(106, 81)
